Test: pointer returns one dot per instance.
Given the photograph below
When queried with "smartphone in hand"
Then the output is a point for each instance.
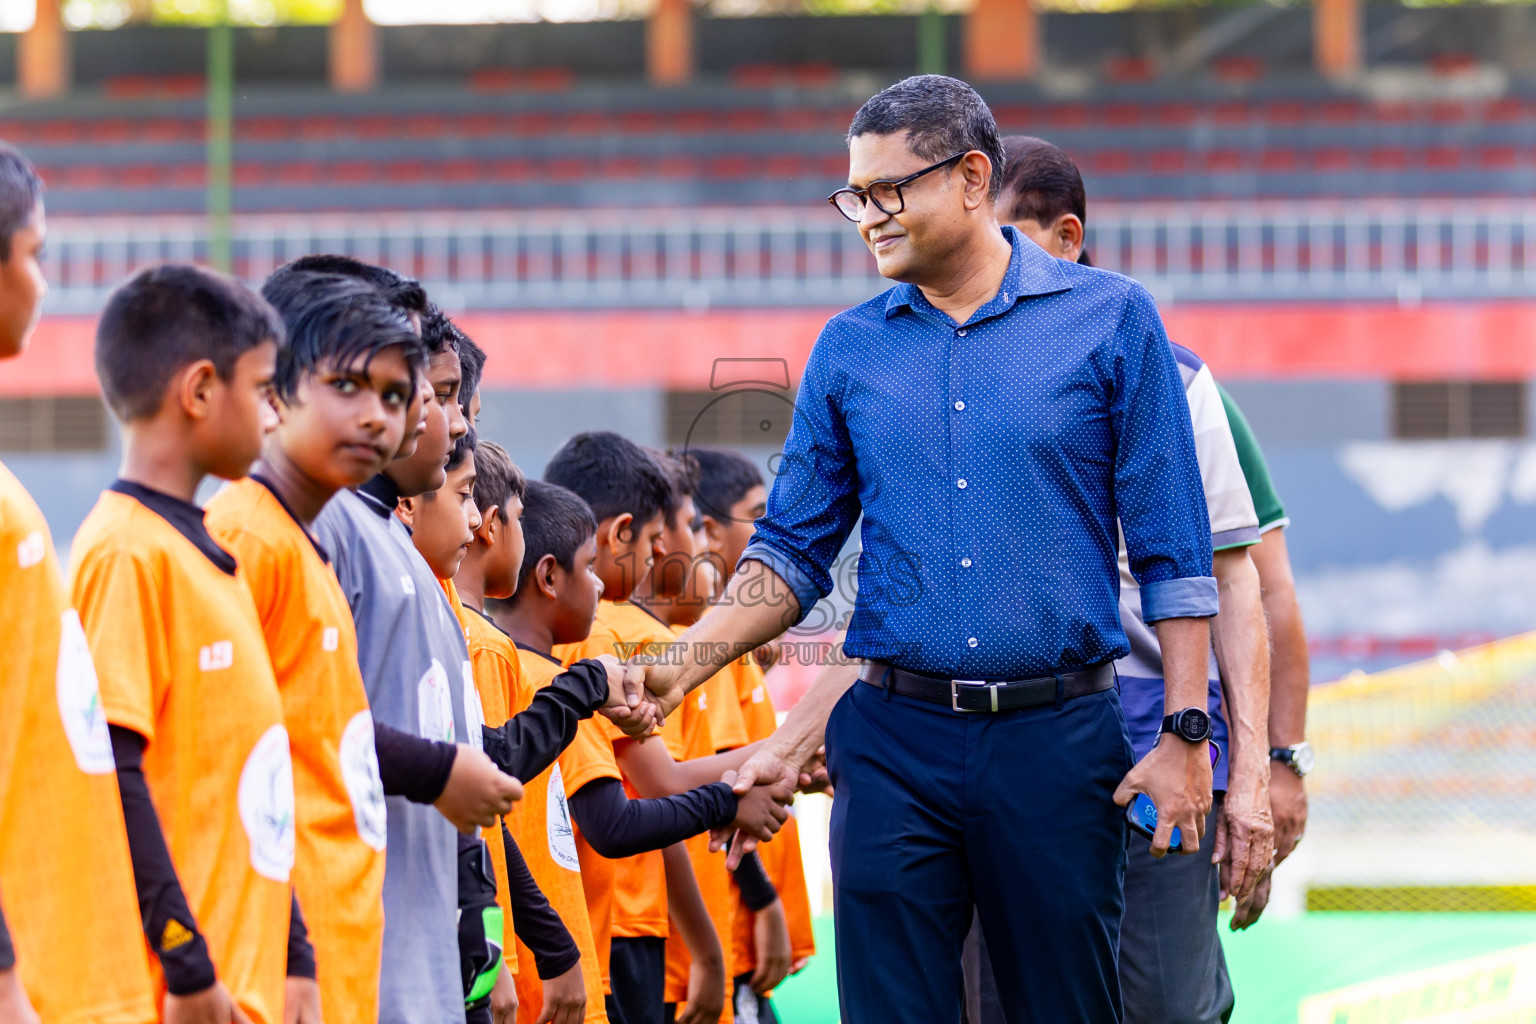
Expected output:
(1142, 813)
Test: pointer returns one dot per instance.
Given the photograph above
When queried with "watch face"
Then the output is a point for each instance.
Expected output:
(1302, 758)
(1194, 725)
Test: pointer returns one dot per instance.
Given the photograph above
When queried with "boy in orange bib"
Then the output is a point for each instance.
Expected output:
(186, 360)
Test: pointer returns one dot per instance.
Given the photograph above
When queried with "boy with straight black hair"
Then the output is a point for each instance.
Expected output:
(628, 494)
(415, 667)
(343, 388)
(186, 361)
(66, 876)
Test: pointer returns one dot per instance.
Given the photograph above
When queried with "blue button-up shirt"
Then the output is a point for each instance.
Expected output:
(990, 460)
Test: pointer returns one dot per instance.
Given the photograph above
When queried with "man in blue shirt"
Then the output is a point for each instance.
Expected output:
(989, 418)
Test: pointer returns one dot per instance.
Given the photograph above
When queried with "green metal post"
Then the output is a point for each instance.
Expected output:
(930, 43)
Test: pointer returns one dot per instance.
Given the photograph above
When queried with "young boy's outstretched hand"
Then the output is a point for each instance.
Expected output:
(637, 720)
(761, 810)
(477, 792)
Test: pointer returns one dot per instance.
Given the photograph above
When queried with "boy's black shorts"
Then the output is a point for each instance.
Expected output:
(637, 969)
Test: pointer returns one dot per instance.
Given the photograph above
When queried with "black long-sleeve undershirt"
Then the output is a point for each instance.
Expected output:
(411, 766)
(301, 954)
(616, 826)
(757, 890)
(531, 740)
(168, 921)
(534, 920)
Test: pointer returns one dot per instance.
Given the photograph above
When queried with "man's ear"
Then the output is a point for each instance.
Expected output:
(976, 172)
(194, 388)
(1068, 232)
(543, 576)
(406, 510)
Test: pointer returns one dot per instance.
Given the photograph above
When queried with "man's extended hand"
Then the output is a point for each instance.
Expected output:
(1245, 833)
(628, 706)
(661, 682)
(765, 767)
(1177, 777)
(477, 792)
(1288, 802)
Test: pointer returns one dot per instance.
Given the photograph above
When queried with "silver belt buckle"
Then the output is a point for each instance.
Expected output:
(954, 693)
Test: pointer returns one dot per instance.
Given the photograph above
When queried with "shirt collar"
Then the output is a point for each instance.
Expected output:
(185, 517)
(325, 556)
(1031, 271)
(380, 494)
(543, 654)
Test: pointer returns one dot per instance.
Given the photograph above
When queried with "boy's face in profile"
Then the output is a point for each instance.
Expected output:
(576, 595)
(730, 537)
(345, 425)
(626, 557)
(240, 414)
(443, 523)
(22, 285)
(672, 555)
(505, 559)
(423, 470)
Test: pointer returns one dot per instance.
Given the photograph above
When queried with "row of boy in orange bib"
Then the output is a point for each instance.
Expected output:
(276, 737)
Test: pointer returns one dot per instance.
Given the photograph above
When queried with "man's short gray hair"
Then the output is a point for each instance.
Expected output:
(942, 117)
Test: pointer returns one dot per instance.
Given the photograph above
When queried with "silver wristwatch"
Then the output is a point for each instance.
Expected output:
(1298, 758)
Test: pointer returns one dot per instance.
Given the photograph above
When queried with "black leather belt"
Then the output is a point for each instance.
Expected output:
(981, 695)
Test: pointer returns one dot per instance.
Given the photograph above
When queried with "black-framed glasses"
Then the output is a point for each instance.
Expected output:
(886, 195)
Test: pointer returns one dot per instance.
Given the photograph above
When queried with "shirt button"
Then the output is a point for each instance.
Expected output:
(960, 406)
(960, 484)
(961, 332)
(965, 562)
(972, 641)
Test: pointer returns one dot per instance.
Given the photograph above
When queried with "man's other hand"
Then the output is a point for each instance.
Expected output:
(1176, 775)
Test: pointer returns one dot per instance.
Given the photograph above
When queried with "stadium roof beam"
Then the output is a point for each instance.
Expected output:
(354, 50)
(669, 43)
(1002, 40)
(1336, 30)
(42, 59)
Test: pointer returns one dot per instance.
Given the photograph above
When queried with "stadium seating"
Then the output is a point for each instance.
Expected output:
(133, 150)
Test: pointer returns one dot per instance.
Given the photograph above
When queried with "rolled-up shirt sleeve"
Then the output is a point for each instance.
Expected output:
(814, 502)
(1158, 490)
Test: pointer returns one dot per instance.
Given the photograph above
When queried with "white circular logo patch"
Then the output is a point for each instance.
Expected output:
(474, 711)
(434, 704)
(557, 821)
(80, 709)
(360, 773)
(266, 804)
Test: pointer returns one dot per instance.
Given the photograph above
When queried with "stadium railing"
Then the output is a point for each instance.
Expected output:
(1398, 250)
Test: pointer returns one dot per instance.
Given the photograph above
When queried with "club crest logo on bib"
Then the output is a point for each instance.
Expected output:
(557, 819)
(474, 711)
(434, 704)
(80, 708)
(360, 773)
(266, 804)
